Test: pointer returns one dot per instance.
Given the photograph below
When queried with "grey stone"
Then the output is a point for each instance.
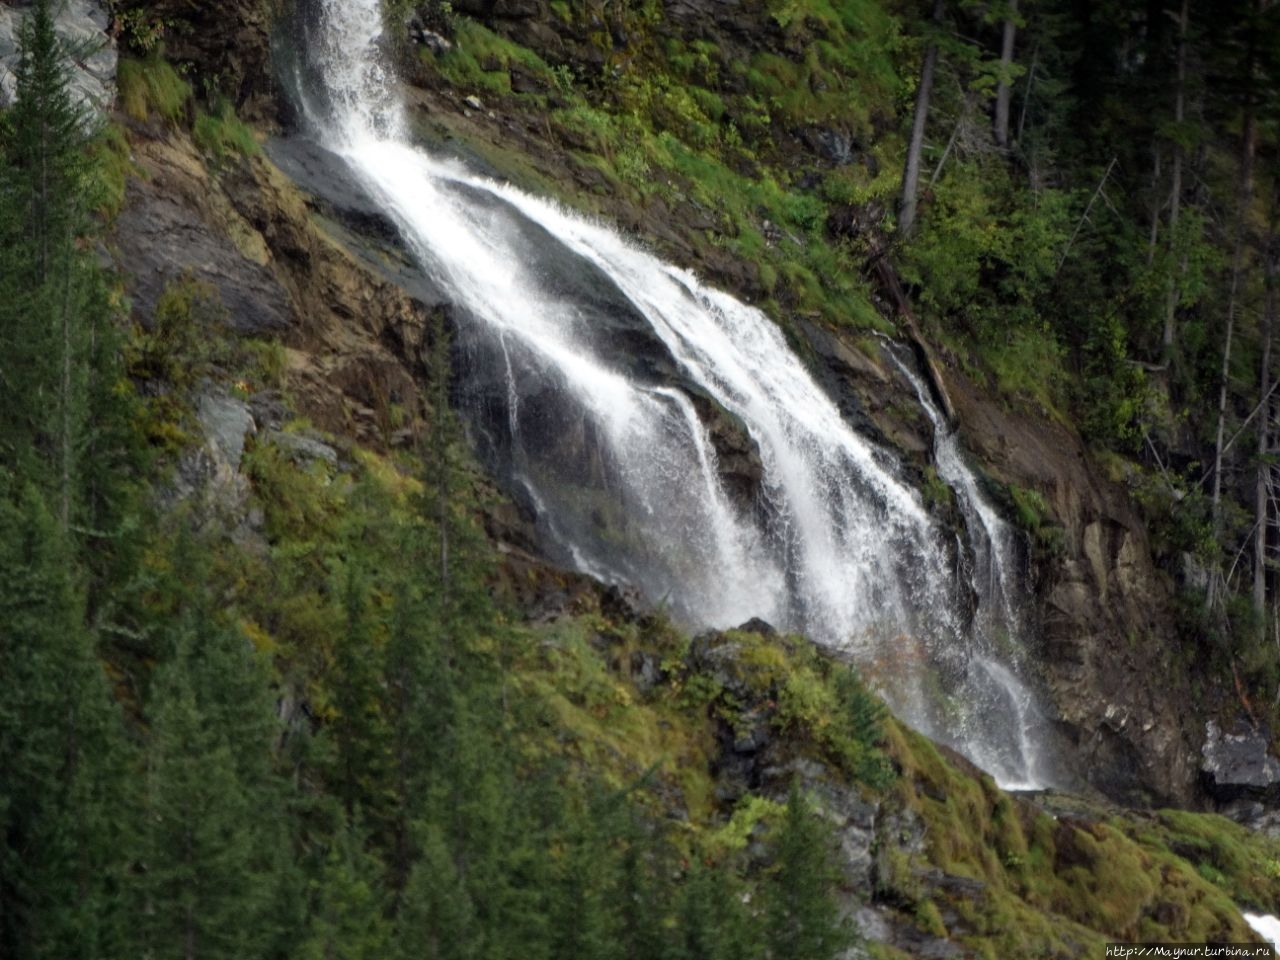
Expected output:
(209, 473)
(831, 144)
(226, 422)
(1239, 764)
(82, 26)
(159, 240)
(303, 448)
(872, 925)
(879, 925)
(752, 732)
(646, 672)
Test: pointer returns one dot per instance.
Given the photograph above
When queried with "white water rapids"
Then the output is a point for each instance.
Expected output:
(614, 455)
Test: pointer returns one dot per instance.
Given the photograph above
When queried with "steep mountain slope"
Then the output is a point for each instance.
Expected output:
(266, 289)
(1102, 660)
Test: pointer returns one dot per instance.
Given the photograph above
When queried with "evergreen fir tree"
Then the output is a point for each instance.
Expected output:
(803, 920)
(44, 184)
(200, 897)
(62, 751)
(216, 863)
(347, 920)
(711, 921)
(359, 730)
(583, 921)
(640, 902)
(437, 919)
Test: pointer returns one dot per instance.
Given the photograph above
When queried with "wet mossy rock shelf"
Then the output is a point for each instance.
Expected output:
(295, 366)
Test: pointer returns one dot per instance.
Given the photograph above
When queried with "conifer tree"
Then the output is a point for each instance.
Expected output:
(711, 922)
(360, 729)
(802, 917)
(44, 183)
(200, 898)
(215, 867)
(62, 751)
(583, 920)
(437, 919)
(347, 920)
(640, 902)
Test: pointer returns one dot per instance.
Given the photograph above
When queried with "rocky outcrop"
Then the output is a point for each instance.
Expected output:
(176, 225)
(83, 27)
(1239, 765)
(355, 336)
(1106, 651)
(225, 45)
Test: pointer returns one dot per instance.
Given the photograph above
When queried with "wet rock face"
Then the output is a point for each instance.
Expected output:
(163, 240)
(83, 27)
(551, 427)
(353, 318)
(1105, 653)
(1239, 765)
(228, 43)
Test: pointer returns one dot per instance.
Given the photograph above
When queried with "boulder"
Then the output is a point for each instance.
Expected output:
(1239, 764)
(208, 473)
(226, 422)
(303, 449)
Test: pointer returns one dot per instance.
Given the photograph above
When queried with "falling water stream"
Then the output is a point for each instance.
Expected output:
(998, 628)
(590, 370)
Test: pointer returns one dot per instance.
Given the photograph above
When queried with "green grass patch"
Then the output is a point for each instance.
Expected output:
(1068, 885)
(152, 86)
(482, 61)
(220, 134)
(112, 165)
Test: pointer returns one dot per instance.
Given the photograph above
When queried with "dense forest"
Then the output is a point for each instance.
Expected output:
(308, 708)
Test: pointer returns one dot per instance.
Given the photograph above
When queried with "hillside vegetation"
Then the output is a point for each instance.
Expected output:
(283, 696)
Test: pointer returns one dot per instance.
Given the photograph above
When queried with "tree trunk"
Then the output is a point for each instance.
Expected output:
(911, 177)
(1026, 90)
(1006, 62)
(1263, 481)
(1153, 239)
(1175, 187)
(65, 437)
(1248, 148)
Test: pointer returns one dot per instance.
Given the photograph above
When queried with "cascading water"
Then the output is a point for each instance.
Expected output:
(998, 630)
(591, 368)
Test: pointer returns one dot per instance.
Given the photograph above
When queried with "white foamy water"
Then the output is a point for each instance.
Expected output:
(1266, 926)
(611, 451)
(997, 692)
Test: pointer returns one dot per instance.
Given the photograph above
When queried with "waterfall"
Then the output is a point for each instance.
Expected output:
(590, 368)
(998, 631)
